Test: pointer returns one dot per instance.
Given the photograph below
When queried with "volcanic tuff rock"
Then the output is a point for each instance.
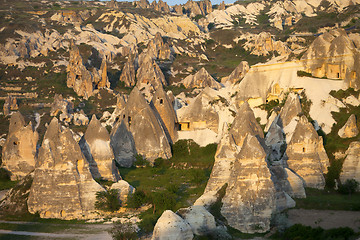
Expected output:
(250, 211)
(193, 8)
(201, 79)
(171, 226)
(19, 150)
(128, 73)
(334, 55)
(160, 6)
(238, 73)
(222, 6)
(306, 156)
(263, 44)
(350, 129)
(158, 49)
(164, 109)
(63, 186)
(97, 150)
(10, 105)
(200, 113)
(104, 82)
(61, 105)
(230, 144)
(351, 165)
(149, 72)
(148, 134)
(199, 219)
(79, 78)
(123, 145)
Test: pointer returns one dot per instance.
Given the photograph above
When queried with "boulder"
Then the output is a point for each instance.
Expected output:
(350, 129)
(171, 226)
(149, 136)
(201, 79)
(200, 220)
(124, 190)
(351, 165)
(61, 105)
(238, 74)
(10, 105)
(19, 149)
(97, 150)
(80, 118)
(63, 186)
(250, 211)
(306, 156)
(165, 111)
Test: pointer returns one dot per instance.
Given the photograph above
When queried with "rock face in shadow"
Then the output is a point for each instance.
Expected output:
(148, 134)
(166, 113)
(250, 211)
(96, 148)
(201, 79)
(172, 226)
(351, 165)
(19, 150)
(306, 155)
(123, 145)
(238, 74)
(350, 129)
(63, 186)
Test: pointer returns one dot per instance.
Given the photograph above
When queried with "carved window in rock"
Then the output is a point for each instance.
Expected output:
(303, 149)
(161, 101)
(129, 121)
(16, 143)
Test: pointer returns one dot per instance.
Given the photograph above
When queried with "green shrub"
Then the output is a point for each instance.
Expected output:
(137, 199)
(107, 200)
(303, 74)
(4, 175)
(349, 187)
(148, 222)
(140, 161)
(162, 201)
(123, 231)
(197, 17)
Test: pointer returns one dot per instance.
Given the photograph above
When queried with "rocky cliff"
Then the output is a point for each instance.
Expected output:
(63, 186)
(19, 150)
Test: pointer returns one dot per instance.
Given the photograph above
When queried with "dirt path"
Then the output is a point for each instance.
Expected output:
(325, 219)
(99, 236)
(56, 231)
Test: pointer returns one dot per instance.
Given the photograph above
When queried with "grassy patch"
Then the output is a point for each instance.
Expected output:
(301, 232)
(328, 200)
(174, 183)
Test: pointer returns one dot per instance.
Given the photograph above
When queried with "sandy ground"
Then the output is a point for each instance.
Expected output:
(325, 219)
